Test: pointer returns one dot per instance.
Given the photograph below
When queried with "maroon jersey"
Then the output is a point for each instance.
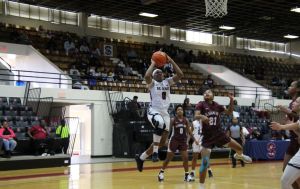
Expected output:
(179, 132)
(212, 111)
(291, 117)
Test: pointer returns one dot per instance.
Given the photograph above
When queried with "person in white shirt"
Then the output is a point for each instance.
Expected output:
(158, 114)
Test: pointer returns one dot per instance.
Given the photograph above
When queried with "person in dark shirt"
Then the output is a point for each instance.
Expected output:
(134, 108)
(213, 134)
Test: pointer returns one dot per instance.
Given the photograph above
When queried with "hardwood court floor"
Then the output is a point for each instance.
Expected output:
(123, 175)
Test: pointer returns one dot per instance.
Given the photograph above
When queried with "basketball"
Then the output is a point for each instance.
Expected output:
(160, 58)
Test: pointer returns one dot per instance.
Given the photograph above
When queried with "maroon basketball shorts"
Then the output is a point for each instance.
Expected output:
(218, 138)
(293, 147)
(177, 145)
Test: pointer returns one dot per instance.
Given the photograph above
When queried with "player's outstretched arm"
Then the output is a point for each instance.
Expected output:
(231, 104)
(179, 73)
(292, 126)
(148, 74)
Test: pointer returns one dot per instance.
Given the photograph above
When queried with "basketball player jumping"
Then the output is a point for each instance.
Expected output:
(197, 134)
(292, 170)
(158, 114)
(213, 135)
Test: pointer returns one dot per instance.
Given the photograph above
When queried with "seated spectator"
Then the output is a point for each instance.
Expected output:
(209, 82)
(110, 76)
(74, 71)
(84, 48)
(7, 135)
(69, 46)
(63, 132)
(275, 81)
(134, 108)
(39, 135)
(127, 70)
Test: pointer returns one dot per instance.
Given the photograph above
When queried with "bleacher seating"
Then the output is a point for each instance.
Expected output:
(258, 69)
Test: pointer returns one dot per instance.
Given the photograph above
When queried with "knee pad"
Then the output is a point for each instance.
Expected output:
(158, 121)
(204, 164)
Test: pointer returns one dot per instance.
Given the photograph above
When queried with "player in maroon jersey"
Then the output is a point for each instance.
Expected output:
(178, 141)
(294, 92)
(213, 134)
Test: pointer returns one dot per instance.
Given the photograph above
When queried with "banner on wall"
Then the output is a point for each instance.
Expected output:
(108, 50)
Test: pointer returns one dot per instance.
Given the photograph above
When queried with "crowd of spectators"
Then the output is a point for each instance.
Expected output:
(132, 59)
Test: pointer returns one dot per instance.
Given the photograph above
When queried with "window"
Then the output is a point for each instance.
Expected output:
(198, 37)
(258, 45)
(123, 26)
(40, 13)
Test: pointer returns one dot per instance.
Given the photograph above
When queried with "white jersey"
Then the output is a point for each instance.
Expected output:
(160, 94)
(197, 132)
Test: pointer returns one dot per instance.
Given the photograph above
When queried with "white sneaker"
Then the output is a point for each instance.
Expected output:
(243, 157)
(160, 177)
(187, 178)
(192, 175)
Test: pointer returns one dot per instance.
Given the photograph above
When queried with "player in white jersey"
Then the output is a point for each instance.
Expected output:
(292, 170)
(158, 115)
(197, 134)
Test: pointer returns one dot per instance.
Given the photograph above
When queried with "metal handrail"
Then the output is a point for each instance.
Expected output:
(6, 63)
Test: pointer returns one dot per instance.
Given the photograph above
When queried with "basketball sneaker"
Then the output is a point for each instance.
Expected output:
(192, 174)
(139, 163)
(187, 177)
(160, 176)
(155, 157)
(244, 158)
(210, 174)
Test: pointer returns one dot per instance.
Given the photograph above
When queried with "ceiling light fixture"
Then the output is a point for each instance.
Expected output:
(296, 9)
(148, 14)
(291, 36)
(227, 27)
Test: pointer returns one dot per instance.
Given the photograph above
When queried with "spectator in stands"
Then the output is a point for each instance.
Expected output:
(74, 71)
(127, 70)
(275, 81)
(187, 105)
(7, 135)
(40, 137)
(209, 82)
(69, 46)
(235, 131)
(63, 132)
(134, 108)
(84, 48)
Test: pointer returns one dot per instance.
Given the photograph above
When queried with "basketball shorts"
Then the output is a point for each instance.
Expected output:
(197, 148)
(175, 145)
(158, 115)
(218, 138)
